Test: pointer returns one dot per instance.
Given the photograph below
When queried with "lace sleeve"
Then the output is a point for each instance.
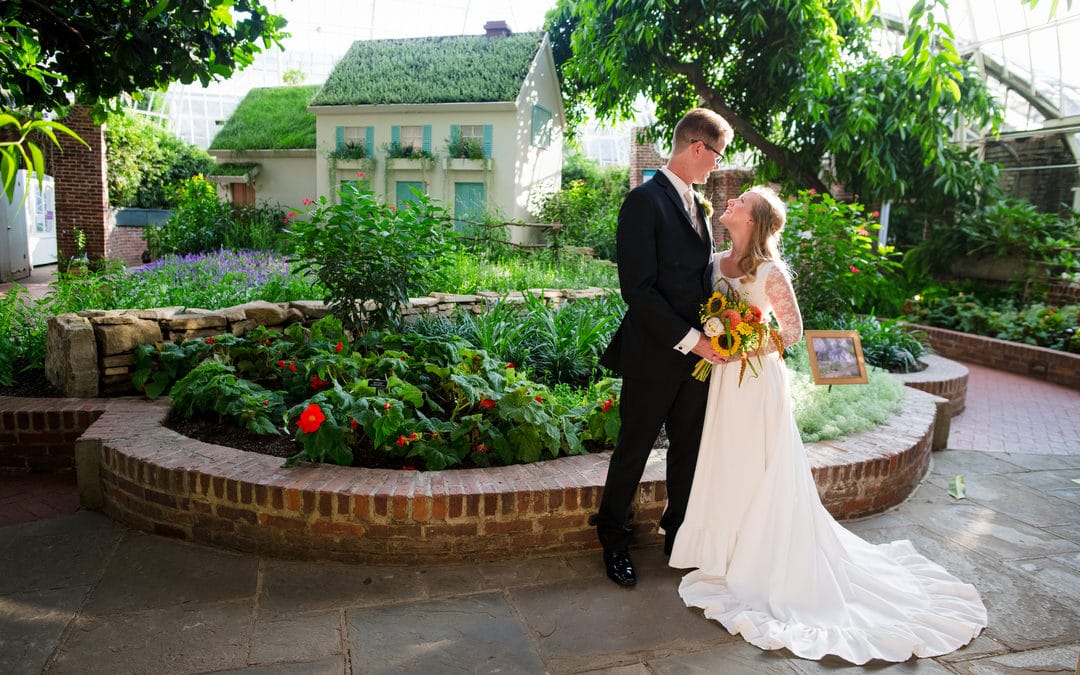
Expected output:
(785, 307)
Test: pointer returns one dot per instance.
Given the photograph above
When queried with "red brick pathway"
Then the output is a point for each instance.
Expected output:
(34, 496)
(1013, 413)
(1005, 413)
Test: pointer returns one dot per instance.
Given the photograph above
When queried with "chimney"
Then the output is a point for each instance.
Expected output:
(496, 29)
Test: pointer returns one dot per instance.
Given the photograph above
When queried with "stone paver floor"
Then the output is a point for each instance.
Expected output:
(82, 594)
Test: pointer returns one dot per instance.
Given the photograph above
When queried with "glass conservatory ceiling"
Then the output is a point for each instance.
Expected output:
(1031, 60)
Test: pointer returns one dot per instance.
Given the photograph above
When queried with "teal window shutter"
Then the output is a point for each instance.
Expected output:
(395, 135)
(427, 138)
(455, 133)
(339, 140)
(487, 140)
(369, 141)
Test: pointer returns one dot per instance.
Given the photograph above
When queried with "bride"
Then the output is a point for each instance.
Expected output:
(771, 563)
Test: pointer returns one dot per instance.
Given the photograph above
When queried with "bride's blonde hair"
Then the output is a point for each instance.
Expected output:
(769, 215)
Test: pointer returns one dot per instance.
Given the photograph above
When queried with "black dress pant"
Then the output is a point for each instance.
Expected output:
(645, 405)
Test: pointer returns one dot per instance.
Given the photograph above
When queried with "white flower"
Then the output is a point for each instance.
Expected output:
(806, 234)
(714, 326)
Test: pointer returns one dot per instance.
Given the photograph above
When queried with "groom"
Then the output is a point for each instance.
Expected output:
(664, 246)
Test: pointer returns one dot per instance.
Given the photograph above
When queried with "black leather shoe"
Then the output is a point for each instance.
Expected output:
(619, 568)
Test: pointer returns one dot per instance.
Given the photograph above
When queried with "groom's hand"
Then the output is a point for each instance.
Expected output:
(705, 350)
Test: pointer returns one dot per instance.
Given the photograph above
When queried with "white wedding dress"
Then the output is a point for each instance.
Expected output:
(772, 564)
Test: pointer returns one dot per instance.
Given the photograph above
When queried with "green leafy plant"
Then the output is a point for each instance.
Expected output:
(17, 137)
(395, 150)
(886, 343)
(1003, 228)
(202, 223)
(465, 148)
(1032, 323)
(838, 267)
(350, 150)
(370, 257)
(434, 402)
(552, 345)
(588, 205)
(147, 164)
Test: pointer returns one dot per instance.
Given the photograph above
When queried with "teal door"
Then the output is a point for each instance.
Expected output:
(404, 191)
(469, 202)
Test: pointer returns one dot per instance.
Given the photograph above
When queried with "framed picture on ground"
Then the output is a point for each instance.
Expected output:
(835, 356)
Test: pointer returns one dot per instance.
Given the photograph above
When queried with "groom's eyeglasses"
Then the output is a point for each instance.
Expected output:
(719, 155)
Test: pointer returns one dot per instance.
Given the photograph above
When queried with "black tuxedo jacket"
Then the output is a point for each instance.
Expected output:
(664, 277)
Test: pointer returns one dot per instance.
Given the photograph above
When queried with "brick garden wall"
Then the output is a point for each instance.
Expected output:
(1012, 357)
(39, 434)
(127, 244)
(153, 479)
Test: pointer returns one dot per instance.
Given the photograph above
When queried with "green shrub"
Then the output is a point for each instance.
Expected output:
(465, 148)
(553, 346)
(22, 332)
(147, 164)
(202, 223)
(588, 205)
(1002, 228)
(371, 257)
(432, 402)
(886, 343)
(838, 268)
(1005, 319)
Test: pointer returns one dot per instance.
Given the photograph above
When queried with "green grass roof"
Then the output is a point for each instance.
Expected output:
(468, 68)
(270, 118)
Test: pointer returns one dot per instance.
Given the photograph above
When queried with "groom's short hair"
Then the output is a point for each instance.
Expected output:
(701, 124)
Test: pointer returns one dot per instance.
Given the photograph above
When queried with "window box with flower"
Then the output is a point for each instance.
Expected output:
(400, 157)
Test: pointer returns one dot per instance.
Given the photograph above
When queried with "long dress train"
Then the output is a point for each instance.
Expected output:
(772, 564)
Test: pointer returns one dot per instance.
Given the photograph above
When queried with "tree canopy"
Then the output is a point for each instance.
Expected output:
(798, 80)
(93, 51)
(100, 49)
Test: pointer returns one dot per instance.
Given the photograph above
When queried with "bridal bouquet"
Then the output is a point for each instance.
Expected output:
(735, 328)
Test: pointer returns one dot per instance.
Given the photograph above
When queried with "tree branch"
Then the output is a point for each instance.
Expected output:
(715, 101)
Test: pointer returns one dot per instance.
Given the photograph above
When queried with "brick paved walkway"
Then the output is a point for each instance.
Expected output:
(25, 498)
(1017, 414)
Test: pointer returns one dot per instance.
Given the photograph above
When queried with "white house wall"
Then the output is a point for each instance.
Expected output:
(285, 177)
(539, 170)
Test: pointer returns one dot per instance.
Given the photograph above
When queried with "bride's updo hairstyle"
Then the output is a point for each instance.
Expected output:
(769, 215)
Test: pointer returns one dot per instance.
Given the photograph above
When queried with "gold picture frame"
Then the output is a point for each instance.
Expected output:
(836, 356)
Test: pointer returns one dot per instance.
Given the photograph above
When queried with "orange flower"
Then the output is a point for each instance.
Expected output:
(487, 403)
(311, 419)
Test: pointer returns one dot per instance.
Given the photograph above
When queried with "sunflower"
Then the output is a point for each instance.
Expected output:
(716, 304)
(720, 344)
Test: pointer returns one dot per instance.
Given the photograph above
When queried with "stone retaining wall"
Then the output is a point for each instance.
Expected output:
(1050, 365)
(92, 353)
(156, 480)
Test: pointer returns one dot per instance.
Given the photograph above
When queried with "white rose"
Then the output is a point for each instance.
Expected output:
(714, 326)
